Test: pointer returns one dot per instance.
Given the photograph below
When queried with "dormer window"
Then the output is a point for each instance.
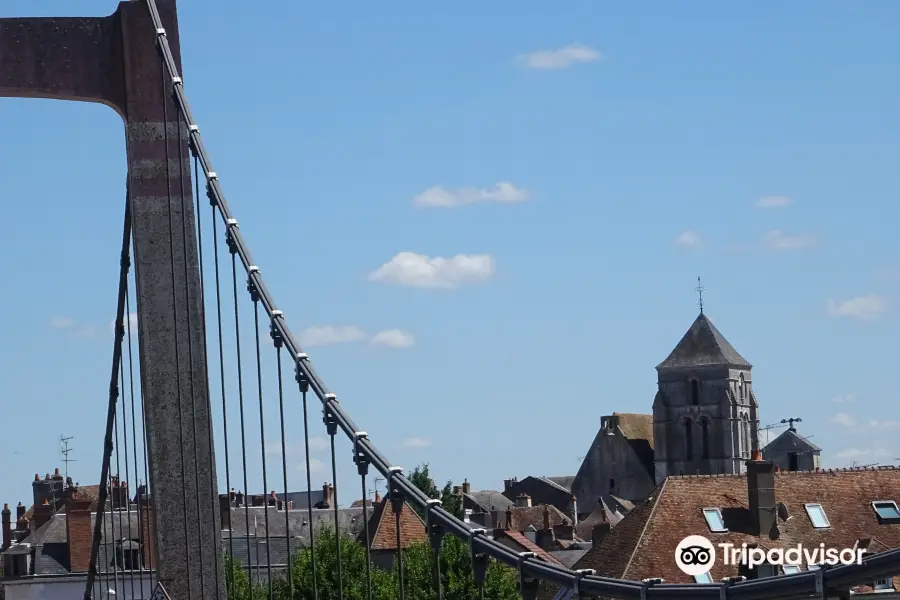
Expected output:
(703, 578)
(790, 569)
(886, 510)
(817, 516)
(714, 520)
(883, 584)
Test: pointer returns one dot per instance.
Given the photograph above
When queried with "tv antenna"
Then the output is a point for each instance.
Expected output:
(64, 450)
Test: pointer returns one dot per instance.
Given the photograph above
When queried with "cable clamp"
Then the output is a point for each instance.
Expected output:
(581, 574)
(252, 269)
(177, 81)
(394, 470)
(193, 129)
(231, 223)
(302, 356)
(160, 31)
(211, 175)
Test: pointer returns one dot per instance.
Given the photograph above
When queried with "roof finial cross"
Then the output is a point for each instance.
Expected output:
(791, 422)
(700, 289)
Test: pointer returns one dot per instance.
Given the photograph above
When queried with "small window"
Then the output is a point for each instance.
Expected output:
(812, 567)
(790, 569)
(887, 510)
(817, 516)
(714, 520)
(703, 578)
(883, 584)
(612, 484)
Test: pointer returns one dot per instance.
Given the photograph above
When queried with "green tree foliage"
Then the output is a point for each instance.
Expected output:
(457, 575)
(421, 478)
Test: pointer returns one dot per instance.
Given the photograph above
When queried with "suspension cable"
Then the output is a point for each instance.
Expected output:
(879, 565)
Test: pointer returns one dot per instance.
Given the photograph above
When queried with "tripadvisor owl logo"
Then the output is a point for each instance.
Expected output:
(695, 555)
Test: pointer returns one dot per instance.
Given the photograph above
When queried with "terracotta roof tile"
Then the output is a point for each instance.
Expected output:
(525, 516)
(522, 540)
(383, 527)
(643, 543)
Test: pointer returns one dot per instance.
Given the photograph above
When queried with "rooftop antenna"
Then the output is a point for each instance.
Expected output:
(700, 289)
(65, 450)
(790, 423)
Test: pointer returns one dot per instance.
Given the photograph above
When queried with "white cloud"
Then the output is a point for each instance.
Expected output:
(418, 270)
(689, 239)
(61, 323)
(416, 442)
(844, 399)
(856, 453)
(561, 58)
(884, 424)
(331, 334)
(503, 192)
(778, 240)
(315, 466)
(393, 338)
(296, 448)
(73, 328)
(844, 420)
(865, 308)
(772, 202)
(132, 322)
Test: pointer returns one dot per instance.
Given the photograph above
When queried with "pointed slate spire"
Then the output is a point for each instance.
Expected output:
(701, 346)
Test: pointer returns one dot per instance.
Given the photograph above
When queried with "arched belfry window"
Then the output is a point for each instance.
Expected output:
(695, 392)
(745, 431)
(704, 437)
(742, 387)
(688, 439)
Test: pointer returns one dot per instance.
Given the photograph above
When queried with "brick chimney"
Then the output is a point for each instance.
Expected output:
(273, 499)
(508, 518)
(225, 511)
(78, 532)
(239, 499)
(546, 516)
(761, 494)
(466, 487)
(573, 510)
(377, 497)
(508, 483)
(327, 496)
(148, 537)
(564, 532)
(601, 528)
(523, 501)
(6, 515)
(42, 513)
(20, 511)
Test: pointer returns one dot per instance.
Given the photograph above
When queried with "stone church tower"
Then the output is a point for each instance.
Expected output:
(705, 415)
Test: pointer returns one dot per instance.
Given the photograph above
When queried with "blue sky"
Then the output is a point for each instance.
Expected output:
(596, 159)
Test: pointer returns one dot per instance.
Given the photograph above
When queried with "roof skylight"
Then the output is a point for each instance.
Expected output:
(714, 519)
(817, 516)
(703, 578)
(790, 569)
(887, 510)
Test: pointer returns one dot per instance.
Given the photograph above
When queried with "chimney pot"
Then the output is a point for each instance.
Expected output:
(37, 477)
(466, 487)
